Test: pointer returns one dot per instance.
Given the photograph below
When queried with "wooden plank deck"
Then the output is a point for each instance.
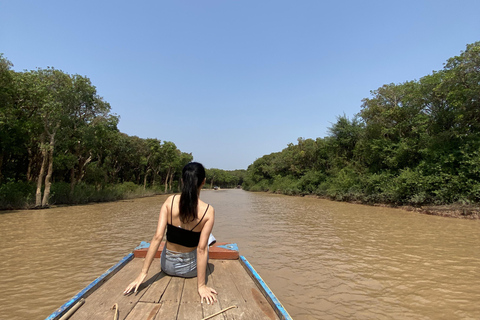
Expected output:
(165, 297)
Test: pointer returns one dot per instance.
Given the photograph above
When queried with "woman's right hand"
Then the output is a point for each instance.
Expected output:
(135, 284)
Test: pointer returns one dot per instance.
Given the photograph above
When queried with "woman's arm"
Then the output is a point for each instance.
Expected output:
(155, 243)
(207, 294)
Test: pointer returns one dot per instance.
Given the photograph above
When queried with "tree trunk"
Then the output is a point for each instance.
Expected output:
(38, 195)
(30, 165)
(48, 178)
(166, 179)
(82, 171)
(145, 180)
(170, 181)
(115, 170)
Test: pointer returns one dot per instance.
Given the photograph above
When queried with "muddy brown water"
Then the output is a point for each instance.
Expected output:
(323, 259)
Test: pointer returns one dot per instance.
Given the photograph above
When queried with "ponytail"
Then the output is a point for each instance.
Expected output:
(193, 175)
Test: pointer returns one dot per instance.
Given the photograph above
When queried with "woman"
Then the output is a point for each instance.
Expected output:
(189, 222)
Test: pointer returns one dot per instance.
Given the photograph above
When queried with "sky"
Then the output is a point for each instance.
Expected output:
(231, 81)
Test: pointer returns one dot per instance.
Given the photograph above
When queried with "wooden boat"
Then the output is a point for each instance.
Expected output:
(242, 292)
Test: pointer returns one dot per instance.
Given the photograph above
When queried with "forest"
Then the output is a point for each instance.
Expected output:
(59, 144)
(412, 143)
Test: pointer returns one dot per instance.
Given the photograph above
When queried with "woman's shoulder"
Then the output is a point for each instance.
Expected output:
(205, 206)
(209, 211)
(170, 199)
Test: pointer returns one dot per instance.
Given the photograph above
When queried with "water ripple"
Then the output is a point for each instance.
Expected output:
(324, 260)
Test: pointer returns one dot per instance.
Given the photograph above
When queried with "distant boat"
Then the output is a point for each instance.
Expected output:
(216, 188)
(242, 292)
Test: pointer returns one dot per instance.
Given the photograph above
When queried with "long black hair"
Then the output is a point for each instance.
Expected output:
(193, 175)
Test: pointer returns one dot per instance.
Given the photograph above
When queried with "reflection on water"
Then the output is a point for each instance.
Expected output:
(323, 259)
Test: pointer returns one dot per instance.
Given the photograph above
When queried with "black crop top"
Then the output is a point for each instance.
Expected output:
(183, 237)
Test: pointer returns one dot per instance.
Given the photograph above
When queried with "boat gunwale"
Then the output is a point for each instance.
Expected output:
(94, 285)
(276, 305)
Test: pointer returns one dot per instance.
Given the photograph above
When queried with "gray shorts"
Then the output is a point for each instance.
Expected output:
(179, 264)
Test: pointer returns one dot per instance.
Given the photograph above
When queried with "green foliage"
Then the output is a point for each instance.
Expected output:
(224, 178)
(412, 143)
(47, 114)
(310, 182)
(14, 195)
(285, 184)
(84, 193)
(20, 195)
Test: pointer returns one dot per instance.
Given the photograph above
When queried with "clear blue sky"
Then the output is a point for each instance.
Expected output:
(231, 81)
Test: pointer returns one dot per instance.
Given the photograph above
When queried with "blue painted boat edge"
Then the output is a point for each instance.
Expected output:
(276, 304)
(60, 311)
(143, 245)
(229, 246)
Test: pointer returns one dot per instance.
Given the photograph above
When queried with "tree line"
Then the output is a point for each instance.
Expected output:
(224, 178)
(413, 143)
(59, 143)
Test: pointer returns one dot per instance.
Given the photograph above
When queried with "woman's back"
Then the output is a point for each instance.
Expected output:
(183, 236)
(196, 224)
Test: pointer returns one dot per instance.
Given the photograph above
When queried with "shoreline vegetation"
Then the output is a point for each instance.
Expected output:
(459, 211)
(20, 195)
(129, 192)
(413, 145)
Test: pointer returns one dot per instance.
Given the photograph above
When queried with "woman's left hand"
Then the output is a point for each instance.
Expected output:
(207, 294)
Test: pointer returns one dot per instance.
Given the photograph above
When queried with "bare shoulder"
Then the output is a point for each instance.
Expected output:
(207, 208)
(210, 212)
(211, 209)
(168, 201)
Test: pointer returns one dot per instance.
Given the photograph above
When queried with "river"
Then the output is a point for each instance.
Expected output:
(323, 259)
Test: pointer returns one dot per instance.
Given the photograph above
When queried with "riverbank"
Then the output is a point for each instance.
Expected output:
(21, 195)
(83, 194)
(459, 211)
(471, 212)
(130, 191)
